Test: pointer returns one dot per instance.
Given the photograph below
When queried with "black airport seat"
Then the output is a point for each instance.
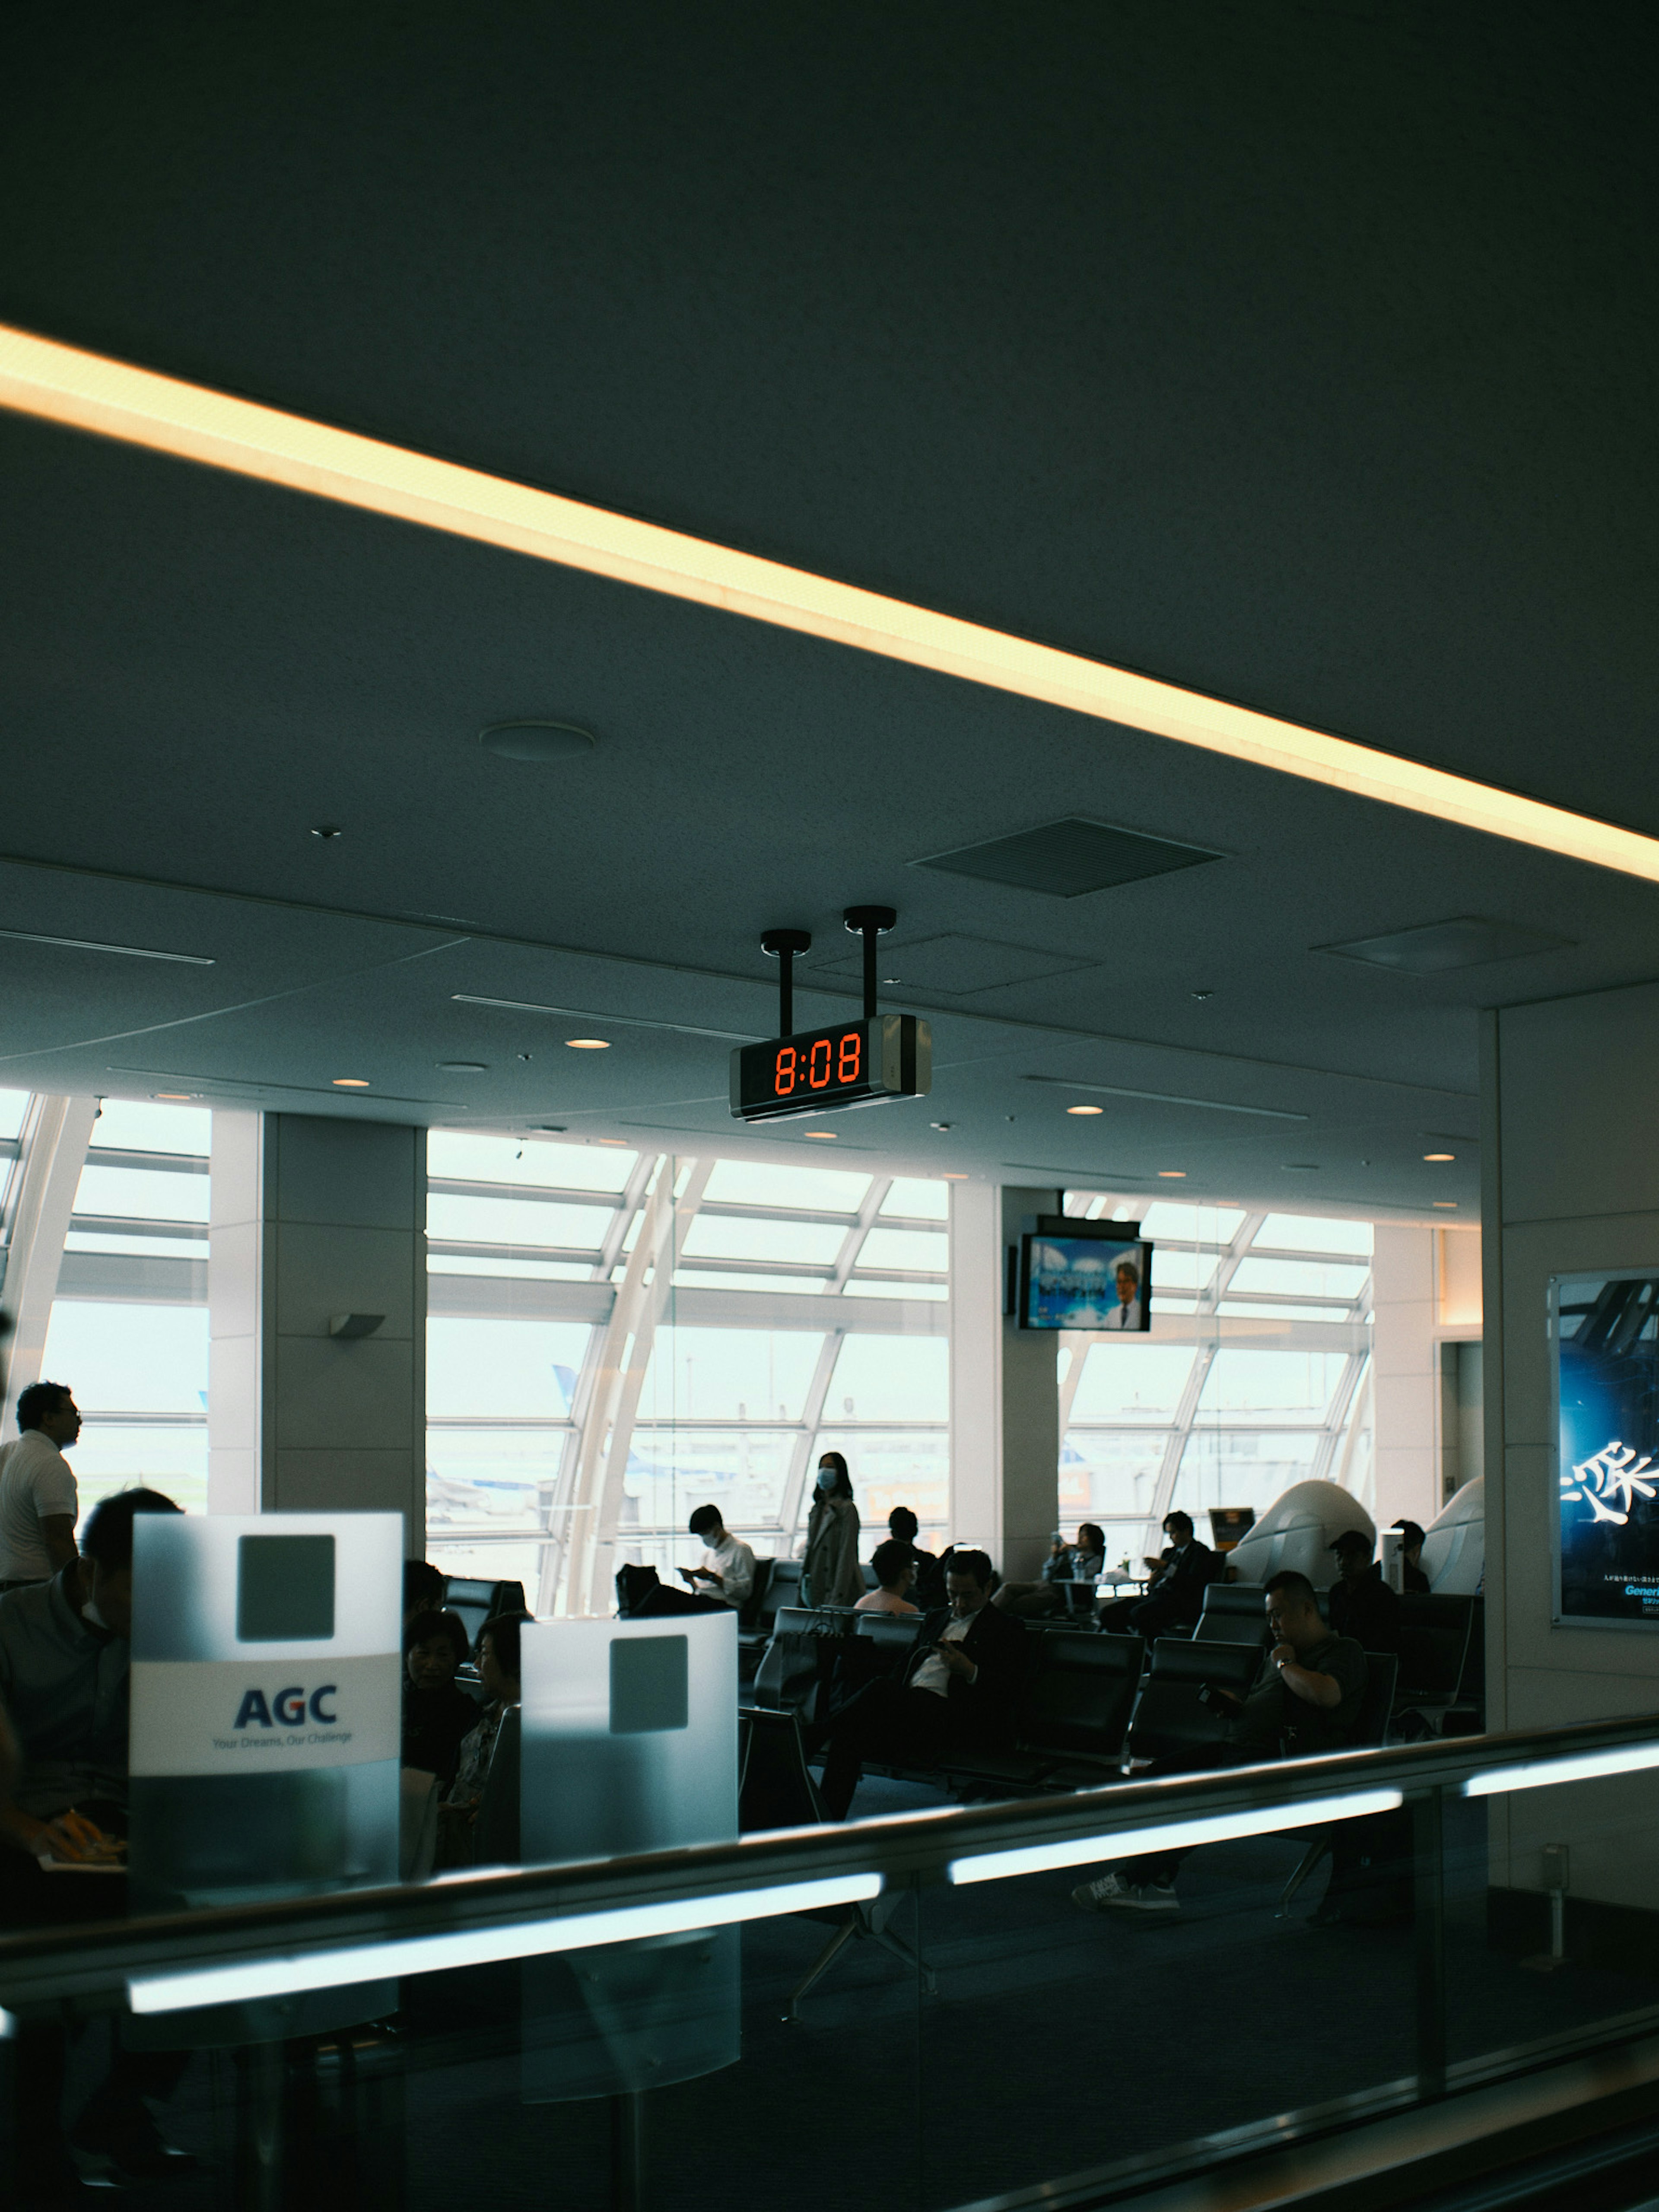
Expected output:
(800, 1656)
(755, 1622)
(896, 1631)
(1234, 1613)
(476, 1601)
(782, 1587)
(1071, 1719)
(1434, 1646)
(1370, 1730)
(1170, 1724)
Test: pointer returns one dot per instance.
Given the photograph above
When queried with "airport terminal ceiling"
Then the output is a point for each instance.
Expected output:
(871, 334)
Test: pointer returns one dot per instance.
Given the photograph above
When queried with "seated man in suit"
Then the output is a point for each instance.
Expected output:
(1175, 1596)
(957, 1694)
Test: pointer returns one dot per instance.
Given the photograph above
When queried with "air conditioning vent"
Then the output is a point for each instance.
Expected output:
(1068, 859)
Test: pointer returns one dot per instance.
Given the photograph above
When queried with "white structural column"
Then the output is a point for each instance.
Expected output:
(1406, 1385)
(1005, 1396)
(53, 1153)
(312, 1219)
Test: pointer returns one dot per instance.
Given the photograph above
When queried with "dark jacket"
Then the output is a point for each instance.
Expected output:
(1368, 1611)
(1182, 1583)
(435, 1721)
(997, 1644)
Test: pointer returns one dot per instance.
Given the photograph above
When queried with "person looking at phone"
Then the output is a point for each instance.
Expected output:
(1175, 1596)
(959, 1691)
(727, 1569)
(1305, 1699)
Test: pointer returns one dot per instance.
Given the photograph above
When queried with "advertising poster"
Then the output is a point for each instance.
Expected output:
(1606, 1333)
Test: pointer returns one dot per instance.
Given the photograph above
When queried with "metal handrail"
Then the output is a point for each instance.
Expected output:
(90, 1967)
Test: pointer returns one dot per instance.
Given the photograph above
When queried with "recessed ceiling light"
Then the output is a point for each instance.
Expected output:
(351, 1082)
(932, 1125)
(1172, 1175)
(1440, 1156)
(956, 1175)
(175, 1096)
(327, 830)
(588, 1044)
(610, 1140)
(63, 384)
(1448, 1205)
(823, 1136)
(1085, 1109)
(536, 741)
(465, 1066)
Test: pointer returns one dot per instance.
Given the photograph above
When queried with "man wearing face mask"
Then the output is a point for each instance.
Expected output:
(831, 1573)
(64, 1680)
(959, 1693)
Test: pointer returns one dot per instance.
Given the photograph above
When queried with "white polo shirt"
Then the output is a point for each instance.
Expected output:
(733, 1561)
(35, 1481)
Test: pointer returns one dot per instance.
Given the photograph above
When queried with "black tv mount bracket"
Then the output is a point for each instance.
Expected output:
(872, 923)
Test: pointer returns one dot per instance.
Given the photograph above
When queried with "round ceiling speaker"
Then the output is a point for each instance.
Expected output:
(536, 741)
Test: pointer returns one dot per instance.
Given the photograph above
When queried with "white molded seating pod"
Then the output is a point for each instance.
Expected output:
(1297, 1531)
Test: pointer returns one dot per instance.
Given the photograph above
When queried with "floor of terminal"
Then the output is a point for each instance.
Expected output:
(1058, 2042)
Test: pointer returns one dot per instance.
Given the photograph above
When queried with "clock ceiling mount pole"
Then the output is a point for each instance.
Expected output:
(871, 923)
(783, 945)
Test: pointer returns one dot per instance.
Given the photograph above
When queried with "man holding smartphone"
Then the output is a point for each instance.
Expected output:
(1305, 1700)
(958, 1692)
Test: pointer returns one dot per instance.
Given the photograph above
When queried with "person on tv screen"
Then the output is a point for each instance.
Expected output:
(1127, 1316)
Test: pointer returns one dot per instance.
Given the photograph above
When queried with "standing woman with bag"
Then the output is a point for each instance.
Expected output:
(832, 1574)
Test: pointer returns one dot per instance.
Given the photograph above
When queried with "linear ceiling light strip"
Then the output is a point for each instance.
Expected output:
(87, 392)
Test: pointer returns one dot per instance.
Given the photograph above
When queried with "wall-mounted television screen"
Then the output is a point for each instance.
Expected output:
(1605, 1332)
(1085, 1274)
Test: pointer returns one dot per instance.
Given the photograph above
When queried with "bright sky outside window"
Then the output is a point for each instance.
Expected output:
(453, 1219)
(1141, 1380)
(461, 1156)
(143, 1194)
(709, 1374)
(14, 1105)
(716, 1236)
(1310, 1232)
(918, 1197)
(502, 1369)
(758, 1183)
(1302, 1279)
(141, 1125)
(892, 1378)
(912, 1248)
(1245, 1384)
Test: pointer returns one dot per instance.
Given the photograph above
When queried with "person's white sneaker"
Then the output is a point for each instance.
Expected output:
(1112, 1893)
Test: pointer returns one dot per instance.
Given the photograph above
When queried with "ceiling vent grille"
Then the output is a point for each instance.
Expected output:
(1066, 860)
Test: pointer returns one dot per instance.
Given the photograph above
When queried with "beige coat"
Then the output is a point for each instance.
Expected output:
(832, 1574)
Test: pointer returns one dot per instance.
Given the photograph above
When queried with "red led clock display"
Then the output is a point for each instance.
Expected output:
(826, 1063)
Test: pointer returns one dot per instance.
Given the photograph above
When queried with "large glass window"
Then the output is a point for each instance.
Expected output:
(580, 1405)
(1248, 1382)
(129, 1326)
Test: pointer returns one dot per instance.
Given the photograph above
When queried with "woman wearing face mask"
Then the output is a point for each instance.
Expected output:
(832, 1574)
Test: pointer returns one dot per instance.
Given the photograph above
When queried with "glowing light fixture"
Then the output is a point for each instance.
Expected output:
(1547, 1773)
(1444, 1205)
(1085, 1109)
(1172, 1175)
(351, 1082)
(113, 399)
(1173, 1835)
(352, 1963)
(958, 1175)
(588, 1044)
(823, 1136)
(1440, 1156)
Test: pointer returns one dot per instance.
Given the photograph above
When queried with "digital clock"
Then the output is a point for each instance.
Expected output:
(818, 1071)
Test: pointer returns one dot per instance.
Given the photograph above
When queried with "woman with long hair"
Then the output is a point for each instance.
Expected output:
(832, 1574)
